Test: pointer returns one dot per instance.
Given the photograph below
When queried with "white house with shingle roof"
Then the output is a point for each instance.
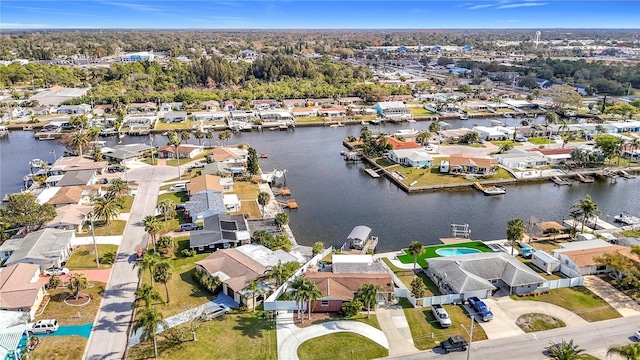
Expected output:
(481, 274)
(20, 289)
(46, 247)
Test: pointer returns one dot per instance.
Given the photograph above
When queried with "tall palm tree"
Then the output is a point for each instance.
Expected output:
(506, 146)
(368, 294)
(565, 351)
(299, 293)
(277, 272)
(152, 226)
(515, 232)
(147, 294)
(586, 209)
(263, 200)
(118, 187)
(254, 289)
(107, 207)
(415, 249)
(185, 136)
(209, 135)
(312, 294)
(167, 207)
(79, 140)
(150, 260)
(77, 283)
(163, 274)
(628, 352)
(424, 137)
(175, 141)
(149, 320)
(199, 135)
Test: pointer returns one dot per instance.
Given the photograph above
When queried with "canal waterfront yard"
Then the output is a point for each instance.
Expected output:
(335, 196)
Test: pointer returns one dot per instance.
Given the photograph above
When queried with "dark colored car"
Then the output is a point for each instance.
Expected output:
(189, 227)
(454, 343)
(115, 168)
(481, 308)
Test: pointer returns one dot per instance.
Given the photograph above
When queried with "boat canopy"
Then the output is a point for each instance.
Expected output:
(359, 232)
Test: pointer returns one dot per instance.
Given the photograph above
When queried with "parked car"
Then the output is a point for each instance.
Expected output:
(521, 139)
(104, 181)
(555, 137)
(197, 165)
(456, 342)
(178, 187)
(46, 326)
(637, 335)
(56, 271)
(441, 315)
(189, 227)
(214, 312)
(115, 168)
(481, 308)
(180, 207)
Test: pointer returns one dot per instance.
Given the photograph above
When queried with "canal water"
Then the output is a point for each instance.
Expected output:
(334, 196)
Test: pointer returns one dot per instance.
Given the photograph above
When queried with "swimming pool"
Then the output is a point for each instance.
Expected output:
(456, 251)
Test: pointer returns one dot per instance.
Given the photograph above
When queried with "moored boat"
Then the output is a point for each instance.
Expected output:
(626, 219)
(494, 190)
(35, 163)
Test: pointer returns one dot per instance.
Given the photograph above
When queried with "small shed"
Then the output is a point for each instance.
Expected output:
(545, 261)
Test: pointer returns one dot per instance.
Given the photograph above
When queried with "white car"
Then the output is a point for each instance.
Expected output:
(178, 187)
(214, 312)
(43, 327)
(637, 335)
(56, 271)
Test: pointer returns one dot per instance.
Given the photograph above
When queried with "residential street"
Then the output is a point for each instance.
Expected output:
(595, 338)
(108, 338)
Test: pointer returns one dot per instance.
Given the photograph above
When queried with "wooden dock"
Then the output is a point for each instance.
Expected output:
(626, 175)
(584, 179)
(556, 180)
(372, 172)
(290, 204)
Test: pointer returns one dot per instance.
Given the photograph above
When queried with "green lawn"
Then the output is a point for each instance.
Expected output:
(179, 197)
(430, 252)
(433, 177)
(67, 314)
(59, 347)
(500, 143)
(578, 300)
(115, 227)
(84, 257)
(174, 162)
(127, 202)
(232, 336)
(541, 141)
(407, 276)
(342, 345)
(426, 331)
(420, 111)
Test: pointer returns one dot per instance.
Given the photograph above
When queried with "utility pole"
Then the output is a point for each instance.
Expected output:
(95, 245)
(470, 332)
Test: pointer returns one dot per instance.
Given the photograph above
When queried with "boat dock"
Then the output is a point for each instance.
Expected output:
(372, 172)
(584, 179)
(626, 175)
(556, 180)
(591, 225)
(290, 204)
(359, 242)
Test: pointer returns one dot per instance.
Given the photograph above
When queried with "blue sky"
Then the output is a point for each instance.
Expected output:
(296, 14)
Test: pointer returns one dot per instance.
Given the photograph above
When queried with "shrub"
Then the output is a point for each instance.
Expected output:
(351, 308)
(188, 253)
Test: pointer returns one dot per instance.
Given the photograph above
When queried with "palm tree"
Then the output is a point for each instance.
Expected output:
(209, 135)
(424, 137)
(515, 232)
(565, 351)
(299, 293)
(185, 136)
(415, 248)
(118, 187)
(628, 352)
(253, 288)
(263, 200)
(368, 294)
(107, 207)
(600, 129)
(174, 140)
(163, 274)
(312, 294)
(166, 244)
(149, 320)
(277, 272)
(77, 283)
(149, 262)
(167, 207)
(199, 135)
(147, 294)
(152, 226)
(79, 140)
(506, 146)
(586, 209)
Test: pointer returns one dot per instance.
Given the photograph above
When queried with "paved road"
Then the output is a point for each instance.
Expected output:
(595, 338)
(108, 338)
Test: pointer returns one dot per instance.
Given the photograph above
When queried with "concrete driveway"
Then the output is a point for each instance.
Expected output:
(506, 311)
(625, 305)
(290, 336)
(395, 327)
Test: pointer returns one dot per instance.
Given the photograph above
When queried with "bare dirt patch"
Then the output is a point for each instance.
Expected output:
(538, 322)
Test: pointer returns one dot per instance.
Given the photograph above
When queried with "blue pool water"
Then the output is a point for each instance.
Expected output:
(456, 251)
(80, 330)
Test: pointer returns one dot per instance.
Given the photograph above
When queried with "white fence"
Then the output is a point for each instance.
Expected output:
(272, 302)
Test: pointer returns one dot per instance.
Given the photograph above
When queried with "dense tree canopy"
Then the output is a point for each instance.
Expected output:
(24, 210)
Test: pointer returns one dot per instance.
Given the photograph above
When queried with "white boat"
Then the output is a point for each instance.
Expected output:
(626, 219)
(35, 163)
(506, 115)
(494, 190)
(411, 121)
(464, 116)
(363, 123)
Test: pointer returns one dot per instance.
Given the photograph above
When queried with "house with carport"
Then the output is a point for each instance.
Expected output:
(20, 288)
(70, 217)
(238, 266)
(580, 256)
(46, 248)
(482, 274)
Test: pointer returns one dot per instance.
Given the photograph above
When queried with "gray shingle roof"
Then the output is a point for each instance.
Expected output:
(43, 244)
(219, 229)
(79, 177)
(211, 202)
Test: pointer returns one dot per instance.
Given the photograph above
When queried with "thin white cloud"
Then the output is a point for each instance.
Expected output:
(133, 6)
(526, 4)
(480, 6)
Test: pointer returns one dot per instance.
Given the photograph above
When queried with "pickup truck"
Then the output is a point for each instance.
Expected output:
(481, 308)
(441, 315)
(456, 342)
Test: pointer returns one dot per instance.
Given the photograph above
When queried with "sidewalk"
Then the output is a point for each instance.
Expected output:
(625, 305)
(396, 328)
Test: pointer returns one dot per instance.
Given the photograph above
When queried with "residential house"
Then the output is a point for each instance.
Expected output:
(490, 133)
(397, 144)
(221, 231)
(74, 109)
(322, 102)
(141, 108)
(555, 156)
(291, 103)
(346, 276)
(520, 160)
(171, 106)
(12, 336)
(40, 110)
(392, 109)
(469, 164)
(77, 178)
(210, 115)
(236, 267)
(104, 109)
(264, 104)
(453, 135)
(243, 115)
(46, 247)
(120, 153)
(276, 116)
(211, 105)
(416, 158)
(74, 195)
(304, 112)
(229, 105)
(332, 112)
(400, 98)
(348, 101)
(175, 116)
(216, 168)
(234, 159)
(184, 151)
(205, 182)
(20, 289)
(231, 202)
(580, 255)
(75, 163)
(543, 83)
(481, 274)
(204, 204)
(139, 120)
(70, 217)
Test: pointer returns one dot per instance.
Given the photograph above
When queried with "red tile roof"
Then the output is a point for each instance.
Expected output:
(397, 144)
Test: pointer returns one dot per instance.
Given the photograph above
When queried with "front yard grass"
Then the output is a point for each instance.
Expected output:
(233, 336)
(433, 177)
(246, 190)
(72, 315)
(127, 202)
(343, 345)
(372, 320)
(426, 331)
(579, 300)
(250, 208)
(115, 227)
(84, 257)
(407, 276)
(420, 111)
(182, 161)
(547, 245)
(430, 252)
(59, 347)
(179, 197)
